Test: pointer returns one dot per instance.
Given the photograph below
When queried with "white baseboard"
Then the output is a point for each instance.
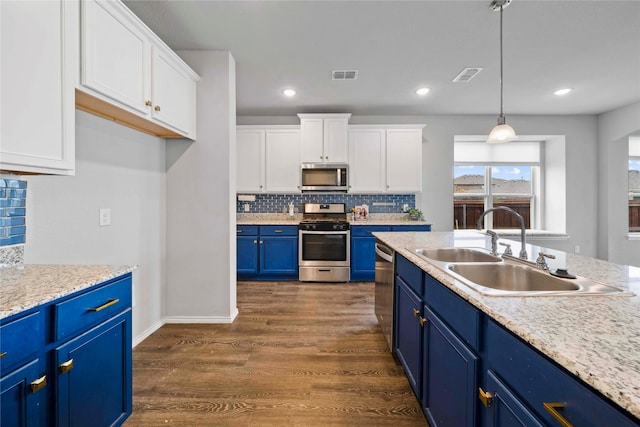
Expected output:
(144, 335)
(202, 319)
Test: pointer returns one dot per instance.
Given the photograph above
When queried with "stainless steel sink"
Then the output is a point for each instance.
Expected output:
(458, 255)
(516, 280)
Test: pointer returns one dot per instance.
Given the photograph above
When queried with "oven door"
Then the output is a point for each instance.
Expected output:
(324, 248)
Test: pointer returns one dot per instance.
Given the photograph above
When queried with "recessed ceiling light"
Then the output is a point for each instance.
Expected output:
(561, 92)
(423, 91)
(288, 92)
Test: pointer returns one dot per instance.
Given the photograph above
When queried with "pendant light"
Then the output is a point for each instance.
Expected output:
(502, 132)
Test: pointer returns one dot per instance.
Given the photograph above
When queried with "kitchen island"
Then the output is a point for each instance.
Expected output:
(63, 330)
(595, 338)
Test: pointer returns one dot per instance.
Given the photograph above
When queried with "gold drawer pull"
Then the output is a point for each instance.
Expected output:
(416, 312)
(66, 366)
(111, 302)
(552, 408)
(39, 383)
(3, 354)
(277, 231)
(423, 321)
(485, 397)
(239, 231)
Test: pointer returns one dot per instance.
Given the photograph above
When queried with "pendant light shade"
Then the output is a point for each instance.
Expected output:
(502, 132)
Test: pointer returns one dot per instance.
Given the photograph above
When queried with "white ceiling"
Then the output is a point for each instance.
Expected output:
(398, 46)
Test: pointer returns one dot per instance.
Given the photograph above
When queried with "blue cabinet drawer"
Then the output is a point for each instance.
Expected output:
(410, 273)
(20, 339)
(537, 380)
(247, 230)
(91, 308)
(366, 230)
(412, 227)
(278, 230)
(462, 317)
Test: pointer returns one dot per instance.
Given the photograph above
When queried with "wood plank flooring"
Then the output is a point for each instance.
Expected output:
(299, 354)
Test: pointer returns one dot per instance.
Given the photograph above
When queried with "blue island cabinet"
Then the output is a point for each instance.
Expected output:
(68, 362)
(267, 252)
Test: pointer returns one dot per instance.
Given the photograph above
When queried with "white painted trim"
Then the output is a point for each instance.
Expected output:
(203, 319)
(397, 126)
(267, 127)
(144, 335)
(633, 236)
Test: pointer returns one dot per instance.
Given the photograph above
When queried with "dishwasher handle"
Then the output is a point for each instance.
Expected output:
(384, 253)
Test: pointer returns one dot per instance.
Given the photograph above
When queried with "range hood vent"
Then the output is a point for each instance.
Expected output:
(344, 74)
(467, 74)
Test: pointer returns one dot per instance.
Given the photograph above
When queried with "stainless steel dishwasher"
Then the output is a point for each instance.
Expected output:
(385, 290)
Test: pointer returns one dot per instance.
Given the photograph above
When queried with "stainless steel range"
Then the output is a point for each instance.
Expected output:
(324, 243)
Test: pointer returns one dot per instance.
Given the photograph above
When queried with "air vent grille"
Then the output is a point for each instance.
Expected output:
(467, 74)
(344, 74)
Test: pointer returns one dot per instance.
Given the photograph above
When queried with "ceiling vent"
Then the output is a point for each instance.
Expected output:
(344, 74)
(467, 74)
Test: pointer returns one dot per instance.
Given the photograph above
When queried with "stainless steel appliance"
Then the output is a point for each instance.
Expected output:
(324, 253)
(385, 288)
(332, 177)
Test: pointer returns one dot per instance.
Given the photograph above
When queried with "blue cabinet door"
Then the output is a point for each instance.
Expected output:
(19, 405)
(94, 375)
(450, 376)
(409, 334)
(505, 409)
(247, 254)
(412, 227)
(363, 258)
(278, 255)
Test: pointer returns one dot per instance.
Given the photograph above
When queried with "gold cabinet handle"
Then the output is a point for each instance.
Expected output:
(422, 321)
(3, 354)
(278, 231)
(38, 384)
(111, 302)
(485, 397)
(157, 108)
(261, 242)
(238, 231)
(552, 408)
(255, 242)
(416, 312)
(66, 366)
(148, 103)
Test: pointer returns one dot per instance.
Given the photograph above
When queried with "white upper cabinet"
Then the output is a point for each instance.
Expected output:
(130, 75)
(323, 138)
(39, 61)
(268, 159)
(385, 158)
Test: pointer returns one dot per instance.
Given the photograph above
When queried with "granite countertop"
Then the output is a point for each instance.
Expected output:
(284, 219)
(597, 338)
(27, 286)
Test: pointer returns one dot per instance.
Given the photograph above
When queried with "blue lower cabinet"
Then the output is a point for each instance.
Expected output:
(408, 334)
(20, 401)
(504, 409)
(267, 252)
(94, 380)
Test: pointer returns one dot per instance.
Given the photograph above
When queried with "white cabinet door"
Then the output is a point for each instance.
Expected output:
(116, 55)
(311, 140)
(282, 160)
(367, 161)
(335, 141)
(39, 62)
(250, 160)
(173, 94)
(404, 160)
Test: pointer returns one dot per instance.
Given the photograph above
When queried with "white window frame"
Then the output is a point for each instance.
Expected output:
(634, 154)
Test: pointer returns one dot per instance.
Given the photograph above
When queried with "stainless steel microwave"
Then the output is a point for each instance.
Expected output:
(330, 177)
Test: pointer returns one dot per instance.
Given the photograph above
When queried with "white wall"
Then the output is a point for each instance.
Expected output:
(614, 129)
(201, 233)
(117, 168)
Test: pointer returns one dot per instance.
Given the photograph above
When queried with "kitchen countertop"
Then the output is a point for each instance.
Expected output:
(596, 338)
(283, 219)
(27, 286)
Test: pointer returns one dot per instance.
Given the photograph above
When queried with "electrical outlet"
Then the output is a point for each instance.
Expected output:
(105, 217)
(576, 249)
(247, 207)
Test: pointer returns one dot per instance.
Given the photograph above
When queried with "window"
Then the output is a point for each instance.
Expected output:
(634, 184)
(487, 176)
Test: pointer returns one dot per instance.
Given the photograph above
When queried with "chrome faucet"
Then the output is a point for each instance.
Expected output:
(523, 242)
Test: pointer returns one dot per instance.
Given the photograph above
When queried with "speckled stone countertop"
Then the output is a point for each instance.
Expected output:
(597, 338)
(284, 219)
(26, 286)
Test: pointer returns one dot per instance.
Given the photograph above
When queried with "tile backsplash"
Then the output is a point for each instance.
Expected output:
(277, 203)
(13, 198)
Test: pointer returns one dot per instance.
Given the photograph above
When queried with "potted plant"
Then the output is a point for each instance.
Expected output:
(415, 214)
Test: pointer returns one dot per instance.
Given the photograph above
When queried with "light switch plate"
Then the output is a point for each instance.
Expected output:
(105, 217)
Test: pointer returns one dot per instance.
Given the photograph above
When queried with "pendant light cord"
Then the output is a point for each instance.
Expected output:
(501, 84)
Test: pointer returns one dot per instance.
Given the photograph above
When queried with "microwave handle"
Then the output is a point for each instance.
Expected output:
(338, 171)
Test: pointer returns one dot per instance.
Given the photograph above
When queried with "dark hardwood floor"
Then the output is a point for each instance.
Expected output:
(298, 354)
